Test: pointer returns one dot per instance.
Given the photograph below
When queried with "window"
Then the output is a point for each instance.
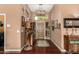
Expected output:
(41, 17)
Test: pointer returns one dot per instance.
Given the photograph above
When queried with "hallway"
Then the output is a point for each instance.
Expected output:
(52, 49)
(37, 31)
(46, 28)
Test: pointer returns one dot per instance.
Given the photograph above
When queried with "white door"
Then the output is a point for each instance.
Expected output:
(40, 29)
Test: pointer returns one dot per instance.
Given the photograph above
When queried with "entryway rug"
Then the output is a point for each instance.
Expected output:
(42, 43)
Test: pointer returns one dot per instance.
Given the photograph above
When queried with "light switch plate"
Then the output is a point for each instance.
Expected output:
(18, 31)
(8, 25)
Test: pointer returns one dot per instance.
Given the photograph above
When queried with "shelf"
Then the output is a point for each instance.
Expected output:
(74, 42)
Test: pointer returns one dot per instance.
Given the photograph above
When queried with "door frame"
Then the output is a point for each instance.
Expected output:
(4, 14)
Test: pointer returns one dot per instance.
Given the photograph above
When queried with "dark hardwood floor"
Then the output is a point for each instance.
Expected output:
(52, 49)
(1, 50)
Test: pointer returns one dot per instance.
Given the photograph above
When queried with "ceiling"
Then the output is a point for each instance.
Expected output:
(36, 7)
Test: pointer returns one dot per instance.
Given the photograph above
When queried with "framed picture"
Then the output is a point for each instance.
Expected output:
(23, 20)
(56, 24)
(52, 22)
(71, 22)
(53, 28)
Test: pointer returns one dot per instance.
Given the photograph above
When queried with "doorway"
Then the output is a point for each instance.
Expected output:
(2, 31)
(42, 30)
(42, 34)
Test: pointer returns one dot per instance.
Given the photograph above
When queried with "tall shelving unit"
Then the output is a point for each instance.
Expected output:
(71, 41)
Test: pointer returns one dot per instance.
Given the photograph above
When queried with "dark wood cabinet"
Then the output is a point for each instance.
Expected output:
(66, 42)
(1, 39)
(71, 43)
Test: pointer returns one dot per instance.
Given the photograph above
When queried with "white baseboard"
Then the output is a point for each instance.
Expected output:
(12, 50)
(62, 50)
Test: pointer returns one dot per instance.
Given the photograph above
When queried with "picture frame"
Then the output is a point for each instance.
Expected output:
(56, 24)
(23, 21)
(71, 22)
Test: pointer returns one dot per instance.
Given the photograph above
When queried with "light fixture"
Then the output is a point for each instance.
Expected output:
(36, 18)
(40, 7)
(41, 10)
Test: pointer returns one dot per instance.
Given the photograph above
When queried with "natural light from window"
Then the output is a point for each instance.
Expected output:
(41, 17)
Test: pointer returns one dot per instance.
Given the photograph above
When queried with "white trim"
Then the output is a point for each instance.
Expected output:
(8, 50)
(38, 23)
(44, 30)
(5, 38)
(12, 50)
(62, 50)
